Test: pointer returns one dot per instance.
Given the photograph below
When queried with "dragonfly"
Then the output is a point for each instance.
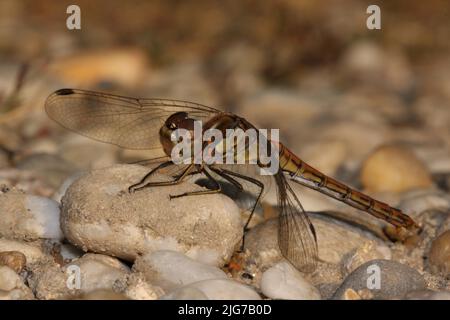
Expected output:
(137, 123)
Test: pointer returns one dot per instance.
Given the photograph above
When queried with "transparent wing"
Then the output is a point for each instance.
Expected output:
(296, 235)
(123, 121)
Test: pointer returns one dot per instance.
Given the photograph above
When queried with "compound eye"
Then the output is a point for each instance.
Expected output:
(172, 126)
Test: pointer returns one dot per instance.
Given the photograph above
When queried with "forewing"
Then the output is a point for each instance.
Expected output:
(127, 122)
(296, 235)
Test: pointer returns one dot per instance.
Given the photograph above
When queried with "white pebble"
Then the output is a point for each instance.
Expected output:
(33, 252)
(169, 269)
(185, 293)
(29, 217)
(99, 272)
(222, 289)
(46, 215)
(283, 281)
(12, 286)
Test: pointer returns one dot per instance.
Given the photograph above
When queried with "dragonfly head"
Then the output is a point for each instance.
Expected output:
(179, 120)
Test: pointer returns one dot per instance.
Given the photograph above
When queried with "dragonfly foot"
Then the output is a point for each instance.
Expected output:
(176, 196)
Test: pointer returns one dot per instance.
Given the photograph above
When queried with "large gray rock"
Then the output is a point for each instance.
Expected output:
(394, 281)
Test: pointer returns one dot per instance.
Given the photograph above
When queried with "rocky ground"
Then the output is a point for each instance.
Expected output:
(371, 111)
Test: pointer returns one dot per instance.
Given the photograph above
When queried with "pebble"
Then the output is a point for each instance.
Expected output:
(5, 161)
(126, 66)
(95, 271)
(365, 62)
(185, 81)
(49, 167)
(283, 281)
(334, 241)
(57, 196)
(29, 217)
(368, 251)
(31, 250)
(327, 162)
(358, 146)
(99, 271)
(26, 181)
(12, 286)
(170, 269)
(428, 295)
(98, 214)
(185, 293)
(439, 255)
(49, 281)
(395, 280)
(85, 153)
(394, 169)
(215, 289)
(16, 260)
(100, 294)
(69, 252)
(292, 110)
(415, 202)
(139, 289)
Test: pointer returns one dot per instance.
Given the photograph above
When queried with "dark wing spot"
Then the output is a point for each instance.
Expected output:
(64, 92)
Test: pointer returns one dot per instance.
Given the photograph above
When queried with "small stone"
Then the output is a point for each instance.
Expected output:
(290, 107)
(428, 295)
(14, 259)
(126, 66)
(101, 294)
(69, 252)
(12, 286)
(334, 241)
(98, 271)
(217, 289)
(381, 279)
(394, 169)
(351, 294)
(327, 162)
(283, 281)
(170, 269)
(89, 273)
(28, 217)
(85, 153)
(32, 250)
(100, 215)
(185, 293)
(139, 289)
(50, 168)
(57, 196)
(369, 250)
(415, 202)
(366, 62)
(49, 281)
(439, 255)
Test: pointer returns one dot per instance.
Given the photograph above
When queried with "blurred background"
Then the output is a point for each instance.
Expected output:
(336, 90)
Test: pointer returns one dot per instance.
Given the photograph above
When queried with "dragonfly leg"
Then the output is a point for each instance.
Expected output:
(141, 185)
(228, 178)
(217, 188)
(257, 183)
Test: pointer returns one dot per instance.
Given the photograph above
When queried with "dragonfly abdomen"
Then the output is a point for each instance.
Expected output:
(302, 173)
